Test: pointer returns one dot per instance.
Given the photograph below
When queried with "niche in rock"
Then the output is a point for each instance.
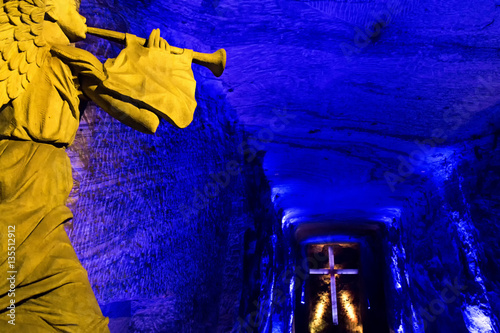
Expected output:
(343, 285)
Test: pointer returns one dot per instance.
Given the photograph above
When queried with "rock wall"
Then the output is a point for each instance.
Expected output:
(444, 251)
(162, 254)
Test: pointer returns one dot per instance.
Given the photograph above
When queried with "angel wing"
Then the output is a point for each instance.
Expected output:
(22, 47)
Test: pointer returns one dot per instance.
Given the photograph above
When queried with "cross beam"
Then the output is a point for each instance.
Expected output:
(332, 272)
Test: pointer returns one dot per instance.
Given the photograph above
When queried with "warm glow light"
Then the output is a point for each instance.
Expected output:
(344, 296)
(319, 311)
(346, 301)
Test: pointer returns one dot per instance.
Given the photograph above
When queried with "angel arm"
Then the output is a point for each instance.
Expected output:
(120, 107)
(142, 84)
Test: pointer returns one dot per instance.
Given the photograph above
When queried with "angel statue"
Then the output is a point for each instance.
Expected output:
(43, 82)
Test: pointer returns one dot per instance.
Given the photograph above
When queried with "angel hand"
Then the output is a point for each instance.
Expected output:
(155, 41)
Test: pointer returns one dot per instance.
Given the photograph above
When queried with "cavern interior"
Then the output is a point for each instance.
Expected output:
(352, 140)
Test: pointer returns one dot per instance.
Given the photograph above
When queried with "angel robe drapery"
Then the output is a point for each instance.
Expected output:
(52, 291)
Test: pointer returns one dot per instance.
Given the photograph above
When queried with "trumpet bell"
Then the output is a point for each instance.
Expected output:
(215, 62)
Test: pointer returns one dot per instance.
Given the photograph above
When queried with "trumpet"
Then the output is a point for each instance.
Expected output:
(215, 62)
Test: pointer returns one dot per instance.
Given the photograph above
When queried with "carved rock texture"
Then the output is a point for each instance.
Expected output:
(396, 127)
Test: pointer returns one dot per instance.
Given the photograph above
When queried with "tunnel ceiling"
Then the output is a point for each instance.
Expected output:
(359, 103)
(356, 100)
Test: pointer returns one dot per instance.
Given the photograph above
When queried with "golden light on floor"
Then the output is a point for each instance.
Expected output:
(346, 303)
(317, 324)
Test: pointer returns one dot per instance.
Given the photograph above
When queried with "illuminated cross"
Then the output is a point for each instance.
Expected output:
(332, 271)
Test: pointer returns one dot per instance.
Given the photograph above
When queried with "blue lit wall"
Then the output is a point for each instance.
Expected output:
(374, 111)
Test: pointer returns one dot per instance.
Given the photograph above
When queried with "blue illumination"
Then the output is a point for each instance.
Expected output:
(162, 254)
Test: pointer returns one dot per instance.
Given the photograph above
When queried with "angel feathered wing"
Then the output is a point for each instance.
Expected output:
(22, 47)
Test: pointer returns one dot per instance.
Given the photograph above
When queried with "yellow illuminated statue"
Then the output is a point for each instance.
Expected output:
(43, 286)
